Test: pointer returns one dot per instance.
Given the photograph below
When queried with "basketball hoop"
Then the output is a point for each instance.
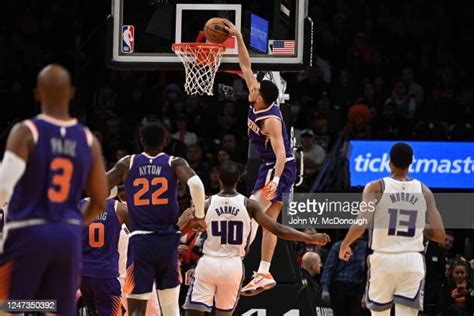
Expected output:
(201, 61)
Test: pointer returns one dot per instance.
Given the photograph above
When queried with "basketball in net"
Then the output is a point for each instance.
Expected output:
(215, 31)
(201, 61)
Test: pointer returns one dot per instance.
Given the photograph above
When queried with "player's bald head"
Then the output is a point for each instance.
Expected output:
(53, 85)
(311, 262)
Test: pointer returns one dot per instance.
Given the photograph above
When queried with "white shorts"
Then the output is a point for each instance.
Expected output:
(395, 278)
(216, 282)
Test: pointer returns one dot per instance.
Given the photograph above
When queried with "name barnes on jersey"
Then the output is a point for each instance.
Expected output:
(231, 210)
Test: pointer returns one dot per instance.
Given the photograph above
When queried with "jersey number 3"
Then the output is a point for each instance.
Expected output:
(138, 199)
(61, 182)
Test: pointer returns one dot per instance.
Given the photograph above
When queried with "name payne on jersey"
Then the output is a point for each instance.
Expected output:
(63, 146)
(149, 170)
(231, 210)
(404, 197)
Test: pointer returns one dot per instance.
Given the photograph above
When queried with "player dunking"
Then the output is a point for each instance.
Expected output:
(396, 267)
(219, 272)
(48, 161)
(267, 133)
(100, 286)
(150, 180)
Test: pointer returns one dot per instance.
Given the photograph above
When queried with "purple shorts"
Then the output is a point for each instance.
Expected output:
(152, 258)
(287, 179)
(42, 262)
(102, 296)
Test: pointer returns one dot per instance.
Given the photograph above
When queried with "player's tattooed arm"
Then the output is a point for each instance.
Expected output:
(96, 184)
(282, 231)
(435, 229)
(119, 172)
(122, 214)
(371, 196)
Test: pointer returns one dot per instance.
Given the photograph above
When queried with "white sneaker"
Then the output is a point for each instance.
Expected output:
(260, 282)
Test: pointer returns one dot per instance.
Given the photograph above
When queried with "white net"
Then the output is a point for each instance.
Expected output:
(201, 62)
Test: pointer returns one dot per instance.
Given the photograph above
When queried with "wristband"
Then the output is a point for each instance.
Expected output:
(276, 180)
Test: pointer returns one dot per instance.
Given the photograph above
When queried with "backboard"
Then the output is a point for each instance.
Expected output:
(278, 33)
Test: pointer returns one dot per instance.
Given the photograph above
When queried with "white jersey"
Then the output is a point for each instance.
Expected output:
(228, 226)
(399, 218)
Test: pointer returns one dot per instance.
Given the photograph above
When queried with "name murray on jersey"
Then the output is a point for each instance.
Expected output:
(404, 197)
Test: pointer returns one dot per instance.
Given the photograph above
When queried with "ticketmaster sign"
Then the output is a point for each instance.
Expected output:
(437, 164)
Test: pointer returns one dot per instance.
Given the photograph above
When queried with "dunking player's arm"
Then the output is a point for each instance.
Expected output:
(283, 231)
(271, 127)
(435, 228)
(20, 144)
(372, 193)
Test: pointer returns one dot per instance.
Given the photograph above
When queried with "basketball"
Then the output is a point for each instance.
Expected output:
(215, 30)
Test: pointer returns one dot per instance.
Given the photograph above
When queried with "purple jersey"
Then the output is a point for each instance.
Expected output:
(152, 196)
(100, 239)
(55, 174)
(260, 141)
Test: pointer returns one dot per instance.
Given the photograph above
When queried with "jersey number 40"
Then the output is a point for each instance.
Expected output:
(231, 232)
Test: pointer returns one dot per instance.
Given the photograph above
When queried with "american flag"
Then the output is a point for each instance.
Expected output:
(283, 47)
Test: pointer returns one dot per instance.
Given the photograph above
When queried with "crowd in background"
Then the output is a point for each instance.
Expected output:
(385, 69)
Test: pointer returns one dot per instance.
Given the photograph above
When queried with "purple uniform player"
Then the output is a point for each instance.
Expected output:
(268, 135)
(48, 162)
(150, 180)
(100, 286)
(264, 149)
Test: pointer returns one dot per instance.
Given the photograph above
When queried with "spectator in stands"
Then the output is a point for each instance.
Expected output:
(369, 97)
(196, 162)
(402, 103)
(310, 270)
(193, 112)
(343, 92)
(448, 245)
(343, 281)
(414, 89)
(322, 136)
(313, 153)
(174, 147)
(435, 258)
(230, 145)
(222, 155)
(311, 265)
(182, 133)
(360, 119)
(459, 294)
(213, 187)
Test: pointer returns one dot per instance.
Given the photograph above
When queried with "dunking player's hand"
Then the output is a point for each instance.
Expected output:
(270, 190)
(319, 239)
(230, 27)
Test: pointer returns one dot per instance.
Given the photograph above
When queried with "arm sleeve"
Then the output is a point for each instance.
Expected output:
(196, 188)
(11, 170)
